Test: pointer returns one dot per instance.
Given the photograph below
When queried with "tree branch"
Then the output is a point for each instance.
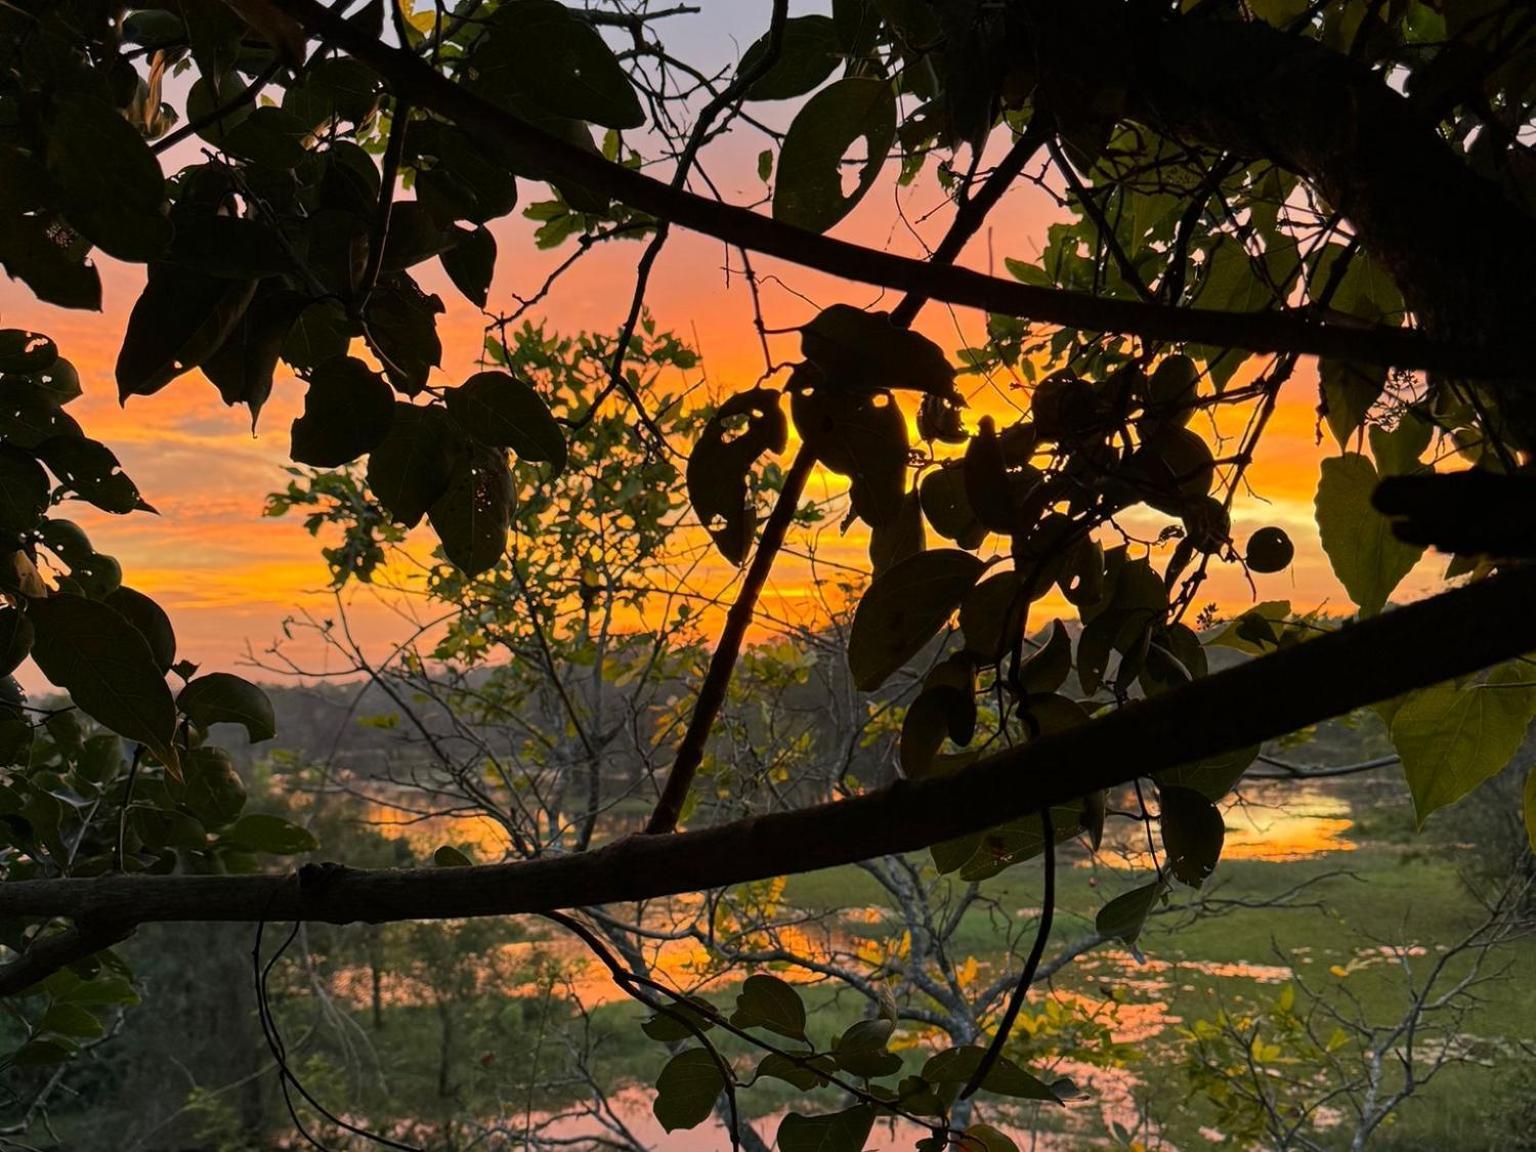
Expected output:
(1445, 636)
(416, 81)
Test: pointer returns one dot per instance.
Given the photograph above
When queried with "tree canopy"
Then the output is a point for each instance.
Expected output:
(1247, 188)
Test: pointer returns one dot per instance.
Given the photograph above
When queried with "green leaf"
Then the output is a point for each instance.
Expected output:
(91, 471)
(1193, 833)
(809, 190)
(904, 609)
(1367, 558)
(71, 1020)
(1349, 389)
(687, 1089)
(24, 492)
(502, 411)
(768, 1002)
(471, 263)
(985, 1138)
(1124, 917)
(111, 183)
(1452, 738)
(781, 1067)
(1048, 668)
(956, 1066)
(541, 52)
(214, 790)
(845, 1131)
(412, 466)
(671, 1026)
(347, 412)
(223, 698)
(447, 856)
(1214, 776)
(260, 832)
(106, 666)
(808, 52)
(474, 514)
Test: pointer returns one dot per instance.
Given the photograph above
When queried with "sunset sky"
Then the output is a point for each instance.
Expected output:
(229, 576)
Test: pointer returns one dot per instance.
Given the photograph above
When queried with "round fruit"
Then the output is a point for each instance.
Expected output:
(1171, 390)
(1270, 550)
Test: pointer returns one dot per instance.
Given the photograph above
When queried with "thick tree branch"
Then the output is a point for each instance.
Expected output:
(416, 81)
(1448, 635)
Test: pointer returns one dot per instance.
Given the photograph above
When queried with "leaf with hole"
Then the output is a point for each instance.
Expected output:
(223, 698)
(808, 192)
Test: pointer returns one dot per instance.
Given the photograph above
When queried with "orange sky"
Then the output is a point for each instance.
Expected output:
(228, 576)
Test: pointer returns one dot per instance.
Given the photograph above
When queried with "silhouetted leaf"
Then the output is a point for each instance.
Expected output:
(213, 788)
(15, 639)
(473, 515)
(180, 319)
(90, 470)
(113, 190)
(687, 1089)
(347, 412)
(1124, 917)
(904, 609)
(502, 411)
(808, 52)
(90, 651)
(859, 349)
(768, 1002)
(223, 698)
(24, 492)
(471, 262)
(844, 1131)
(150, 620)
(260, 832)
(410, 469)
(1193, 833)
(740, 431)
(954, 1067)
(859, 435)
(808, 191)
(541, 52)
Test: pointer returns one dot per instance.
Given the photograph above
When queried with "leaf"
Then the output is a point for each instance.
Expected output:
(1048, 668)
(1452, 738)
(844, 1131)
(904, 609)
(1124, 917)
(23, 351)
(1348, 389)
(859, 349)
(1193, 833)
(782, 1067)
(23, 492)
(739, 432)
(106, 666)
(447, 856)
(223, 698)
(992, 616)
(16, 636)
(859, 435)
(768, 1002)
(243, 365)
(260, 832)
(471, 263)
(347, 412)
(498, 409)
(214, 790)
(808, 192)
(180, 320)
(672, 1025)
(985, 1138)
(1367, 558)
(51, 260)
(808, 52)
(541, 52)
(899, 537)
(111, 183)
(150, 620)
(402, 321)
(410, 469)
(956, 1066)
(474, 514)
(1214, 776)
(89, 469)
(687, 1089)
